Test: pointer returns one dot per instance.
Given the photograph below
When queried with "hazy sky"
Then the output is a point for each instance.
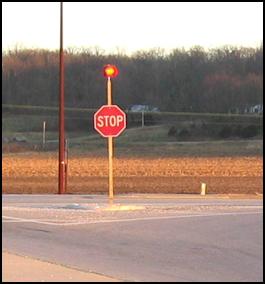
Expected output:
(132, 26)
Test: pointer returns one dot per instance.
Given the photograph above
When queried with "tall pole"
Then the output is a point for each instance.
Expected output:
(110, 145)
(61, 182)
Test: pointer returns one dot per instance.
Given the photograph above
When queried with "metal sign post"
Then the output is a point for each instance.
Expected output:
(110, 144)
(110, 121)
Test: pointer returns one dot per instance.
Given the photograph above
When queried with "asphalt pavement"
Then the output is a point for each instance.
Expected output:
(140, 237)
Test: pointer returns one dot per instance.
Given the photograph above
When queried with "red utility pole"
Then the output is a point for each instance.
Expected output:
(61, 182)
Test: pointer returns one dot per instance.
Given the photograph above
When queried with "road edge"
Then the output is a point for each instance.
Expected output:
(18, 268)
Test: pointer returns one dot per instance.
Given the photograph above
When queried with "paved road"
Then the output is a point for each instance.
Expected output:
(161, 237)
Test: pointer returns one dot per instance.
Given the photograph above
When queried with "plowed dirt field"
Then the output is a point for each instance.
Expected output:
(37, 173)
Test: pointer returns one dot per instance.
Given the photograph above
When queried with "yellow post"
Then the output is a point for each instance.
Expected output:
(110, 146)
(203, 188)
(110, 140)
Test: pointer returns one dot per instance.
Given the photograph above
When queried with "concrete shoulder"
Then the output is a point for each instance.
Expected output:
(17, 268)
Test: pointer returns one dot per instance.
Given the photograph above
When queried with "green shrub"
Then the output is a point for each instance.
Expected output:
(238, 130)
(249, 131)
(226, 132)
(172, 131)
(183, 134)
(208, 130)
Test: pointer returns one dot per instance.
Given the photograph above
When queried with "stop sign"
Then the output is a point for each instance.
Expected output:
(109, 121)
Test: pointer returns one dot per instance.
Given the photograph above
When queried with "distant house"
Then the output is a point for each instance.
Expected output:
(254, 109)
(145, 108)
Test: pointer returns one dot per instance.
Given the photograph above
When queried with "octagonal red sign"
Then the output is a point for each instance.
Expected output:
(110, 121)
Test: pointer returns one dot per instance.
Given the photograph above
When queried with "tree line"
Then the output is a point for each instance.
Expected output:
(220, 80)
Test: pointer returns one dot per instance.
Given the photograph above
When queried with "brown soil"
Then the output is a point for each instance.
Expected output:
(37, 173)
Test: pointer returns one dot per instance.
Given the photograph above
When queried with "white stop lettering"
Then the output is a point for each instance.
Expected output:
(110, 120)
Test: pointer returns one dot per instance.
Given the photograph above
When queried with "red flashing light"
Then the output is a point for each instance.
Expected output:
(110, 71)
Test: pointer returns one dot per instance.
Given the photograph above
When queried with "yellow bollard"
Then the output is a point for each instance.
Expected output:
(203, 188)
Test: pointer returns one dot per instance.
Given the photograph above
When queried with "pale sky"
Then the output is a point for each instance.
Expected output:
(132, 26)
